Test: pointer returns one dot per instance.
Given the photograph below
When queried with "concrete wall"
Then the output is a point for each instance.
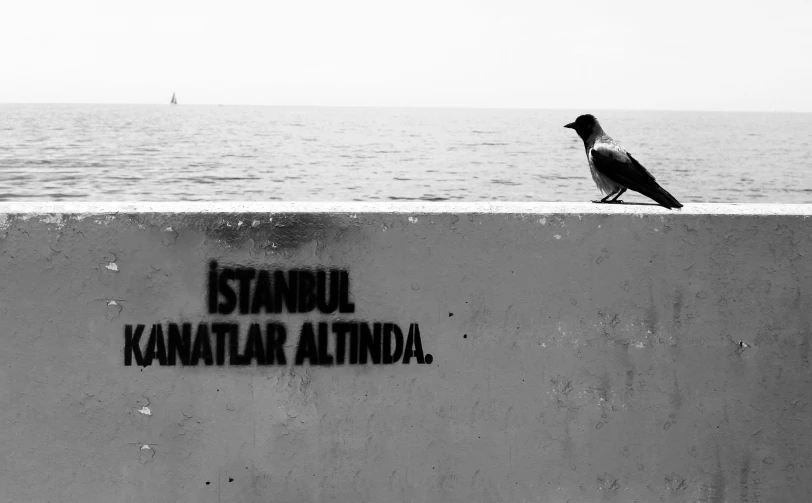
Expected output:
(567, 353)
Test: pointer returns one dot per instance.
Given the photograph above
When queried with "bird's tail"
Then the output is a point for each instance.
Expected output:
(662, 196)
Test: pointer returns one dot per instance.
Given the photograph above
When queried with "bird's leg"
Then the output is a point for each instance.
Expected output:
(615, 199)
(607, 197)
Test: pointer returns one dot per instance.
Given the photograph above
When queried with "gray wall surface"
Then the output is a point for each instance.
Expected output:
(513, 353)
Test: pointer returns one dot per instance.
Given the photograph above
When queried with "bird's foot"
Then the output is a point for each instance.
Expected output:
(615, 201)
(598, 201)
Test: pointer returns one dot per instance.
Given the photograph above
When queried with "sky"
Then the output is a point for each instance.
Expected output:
(610, 54)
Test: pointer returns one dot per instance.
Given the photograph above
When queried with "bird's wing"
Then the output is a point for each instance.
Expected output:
(613, 162)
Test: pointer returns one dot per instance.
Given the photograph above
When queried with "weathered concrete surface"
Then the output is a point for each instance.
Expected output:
(579, 353)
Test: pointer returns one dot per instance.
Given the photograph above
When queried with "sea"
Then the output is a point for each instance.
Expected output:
(262, 153)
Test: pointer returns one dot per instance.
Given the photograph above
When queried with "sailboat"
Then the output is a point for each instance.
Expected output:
(174, 100)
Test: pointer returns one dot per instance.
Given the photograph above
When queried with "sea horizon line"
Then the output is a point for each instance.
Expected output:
(415, 107)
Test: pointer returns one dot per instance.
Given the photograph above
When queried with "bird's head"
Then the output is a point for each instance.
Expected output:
(584, 125)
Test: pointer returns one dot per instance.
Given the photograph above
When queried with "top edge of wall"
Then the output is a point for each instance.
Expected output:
(399, 207)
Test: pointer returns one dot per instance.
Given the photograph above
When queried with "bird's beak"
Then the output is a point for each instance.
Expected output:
(571, 125)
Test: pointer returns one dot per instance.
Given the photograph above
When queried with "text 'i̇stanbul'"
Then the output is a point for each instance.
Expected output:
(248, 291)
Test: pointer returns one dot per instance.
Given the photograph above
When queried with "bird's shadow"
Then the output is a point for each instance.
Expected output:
(629, 204)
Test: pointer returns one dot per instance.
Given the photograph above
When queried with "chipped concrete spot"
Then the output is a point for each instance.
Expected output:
(557, 236)
(413, 220)
(113, 310)
(53, 219)
(145, 447)
(145, 410)
(543, 221)
(639, 345)
(255, 223)
(112, 266)
(607, 482)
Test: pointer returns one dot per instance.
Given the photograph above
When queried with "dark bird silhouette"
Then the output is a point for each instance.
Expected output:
(613, 168)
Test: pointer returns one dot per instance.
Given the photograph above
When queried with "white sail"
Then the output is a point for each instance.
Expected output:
(174, 100)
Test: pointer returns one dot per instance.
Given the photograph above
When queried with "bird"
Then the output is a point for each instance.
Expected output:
(613, 168)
